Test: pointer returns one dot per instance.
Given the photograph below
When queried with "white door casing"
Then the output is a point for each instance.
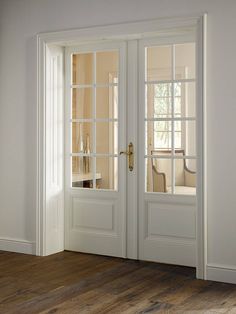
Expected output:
(52, 154)
(173, 26)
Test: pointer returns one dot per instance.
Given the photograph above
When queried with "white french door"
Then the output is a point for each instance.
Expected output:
(131, 150)
(167, 150)
(95, 133)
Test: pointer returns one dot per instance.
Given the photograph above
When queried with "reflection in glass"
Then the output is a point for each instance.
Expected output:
(107, 64)
(159, 98)
(82, 172)
(185, 179)
(185, 61)
(185, 137)
(159, 63)
(107, 102)
(82, 103)
(106, 137)
(82, 137)
(184, 99)
(158, 135)
(107, 170)
(159, 174)
(82, 68)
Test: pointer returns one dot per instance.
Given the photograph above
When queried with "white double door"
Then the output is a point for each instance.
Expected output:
(138, 92)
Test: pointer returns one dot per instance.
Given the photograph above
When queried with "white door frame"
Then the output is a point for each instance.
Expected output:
(49, 205)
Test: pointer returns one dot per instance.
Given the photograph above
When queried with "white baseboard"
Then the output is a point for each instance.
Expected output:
(18, 246)
(222, 273)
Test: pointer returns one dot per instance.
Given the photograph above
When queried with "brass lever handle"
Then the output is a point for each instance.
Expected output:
(125, 153)
(130, 154)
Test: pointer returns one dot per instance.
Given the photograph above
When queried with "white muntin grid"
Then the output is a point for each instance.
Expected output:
(171, 119)
(93, 120)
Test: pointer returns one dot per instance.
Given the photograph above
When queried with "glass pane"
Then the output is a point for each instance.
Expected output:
(159, 63)
(107, 102)
(191, 164)
(106, 137)
(107, 65)
(158, 175)
(185, 180)
(184, 99)
(82, 107)
(107, 172)
(158, 135)
(158, 100)
(185, 137)
(82, 137)
(82, 173)
(185, 61)
(82, 68)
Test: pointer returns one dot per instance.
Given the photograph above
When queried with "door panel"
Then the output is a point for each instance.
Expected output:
(167, 152)
(172, 220)
(168, 230)
(95, 173)
(95, 225)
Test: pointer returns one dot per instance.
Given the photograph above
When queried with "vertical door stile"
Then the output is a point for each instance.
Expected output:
(172, 119)
(141, 149)
(93, 117)
(132, 177)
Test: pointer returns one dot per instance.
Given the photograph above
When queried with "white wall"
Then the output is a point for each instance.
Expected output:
(21, 20)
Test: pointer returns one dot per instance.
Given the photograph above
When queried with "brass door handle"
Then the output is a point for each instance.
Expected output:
(125, 153)
(130, 154)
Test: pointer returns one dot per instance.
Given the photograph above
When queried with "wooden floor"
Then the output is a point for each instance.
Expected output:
(81, 283)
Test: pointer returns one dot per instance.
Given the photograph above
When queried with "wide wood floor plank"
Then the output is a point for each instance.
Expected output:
(72, 283)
